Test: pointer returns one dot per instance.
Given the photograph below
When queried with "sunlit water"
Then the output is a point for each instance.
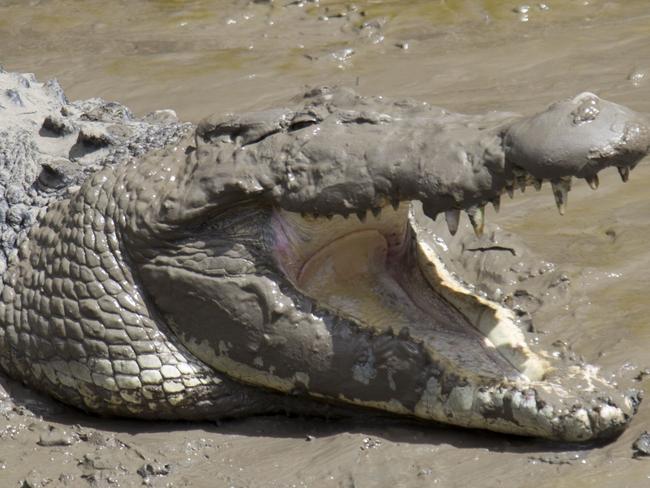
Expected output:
(201, 56)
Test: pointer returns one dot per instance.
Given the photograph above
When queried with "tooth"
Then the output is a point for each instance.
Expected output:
(496, 203)
(476, 216)
(560, 192)
(520, 179)
(510, 188)
(624, 171)
(593, 181)
(452, 217)
(522, 184)
(537, 183)
(395, 204)
(310, 217)
(361, 214)
(376, 211)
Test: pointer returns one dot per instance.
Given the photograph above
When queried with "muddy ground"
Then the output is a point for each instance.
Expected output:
(201, 56)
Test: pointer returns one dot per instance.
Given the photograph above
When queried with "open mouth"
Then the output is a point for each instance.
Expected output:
(377, 272)
(380, 272)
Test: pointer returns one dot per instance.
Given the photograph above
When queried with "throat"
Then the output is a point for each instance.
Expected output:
(351, 275)
(364, 278)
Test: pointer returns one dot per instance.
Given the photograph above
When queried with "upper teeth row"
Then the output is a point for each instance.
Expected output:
(560, 187)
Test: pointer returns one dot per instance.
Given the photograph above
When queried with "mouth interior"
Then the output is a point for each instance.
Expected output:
(376, 272)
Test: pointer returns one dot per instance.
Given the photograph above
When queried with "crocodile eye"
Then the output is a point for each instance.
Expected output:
(300, 125)
(302, 120)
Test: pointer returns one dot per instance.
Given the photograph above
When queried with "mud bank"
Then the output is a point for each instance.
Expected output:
(460, 55)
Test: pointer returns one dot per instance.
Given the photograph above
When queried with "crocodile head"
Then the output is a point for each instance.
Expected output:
(298, 256)
(291, 251)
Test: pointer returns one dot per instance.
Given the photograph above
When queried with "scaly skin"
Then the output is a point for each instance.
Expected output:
(146, 290)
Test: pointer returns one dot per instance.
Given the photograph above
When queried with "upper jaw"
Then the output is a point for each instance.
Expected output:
(338, 153)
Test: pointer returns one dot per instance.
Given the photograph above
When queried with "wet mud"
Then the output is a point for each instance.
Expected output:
(230, 56)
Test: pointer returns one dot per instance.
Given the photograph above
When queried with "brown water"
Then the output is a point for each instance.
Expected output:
(201, 56)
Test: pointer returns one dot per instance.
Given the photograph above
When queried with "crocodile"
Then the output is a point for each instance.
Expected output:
(283, 260)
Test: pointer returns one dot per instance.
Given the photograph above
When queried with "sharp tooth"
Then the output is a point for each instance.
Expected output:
(560, 192)
(395, 204)
(361, 214)
(452, 217)
(624, 171)
(537, 183)
(376, 211)
(510, 188)
(593, 181)
(309, 216)
(496, 203)
(476, 216)
(522, 184)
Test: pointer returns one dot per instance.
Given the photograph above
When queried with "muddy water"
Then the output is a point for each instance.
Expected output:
(203, 56)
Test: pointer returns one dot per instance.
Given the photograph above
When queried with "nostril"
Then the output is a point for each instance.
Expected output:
(636, 136)
(587, 110)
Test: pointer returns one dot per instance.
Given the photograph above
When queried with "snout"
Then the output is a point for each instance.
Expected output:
(578, 137)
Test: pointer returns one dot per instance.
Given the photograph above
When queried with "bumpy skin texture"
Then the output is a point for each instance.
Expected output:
(48, 148)
(129, 296)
